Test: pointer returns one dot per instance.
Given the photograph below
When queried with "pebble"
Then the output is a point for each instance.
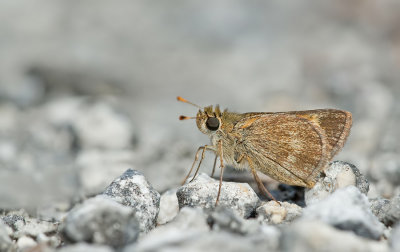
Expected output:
(203, 192)
(338, 174)
(313, 235)
(103, 221)
(275, 213)
(133, 190)
(347, 209)
(169, 207)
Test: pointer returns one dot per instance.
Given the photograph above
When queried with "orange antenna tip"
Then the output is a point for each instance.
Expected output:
(186, 101)
(181, 99)
(182, 117)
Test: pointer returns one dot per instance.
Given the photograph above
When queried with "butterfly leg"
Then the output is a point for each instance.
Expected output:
(204, 148)
(222, 170)
(215, 163)
(260, 184)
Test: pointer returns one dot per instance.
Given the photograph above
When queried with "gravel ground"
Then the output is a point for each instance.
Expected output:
(92, 154)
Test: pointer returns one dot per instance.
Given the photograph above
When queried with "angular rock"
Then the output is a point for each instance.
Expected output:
(393, 214)
(224, 218)
(380, 207)
(169, 207)
(338, 174)
(203, 192)
(102, 220)
(304, 236)
(15, 221)
(387, 211)
(84, 247)
(133, 190)
(272, 212)
(347, 209)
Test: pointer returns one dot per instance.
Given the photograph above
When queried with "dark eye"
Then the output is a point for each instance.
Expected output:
(212, 123)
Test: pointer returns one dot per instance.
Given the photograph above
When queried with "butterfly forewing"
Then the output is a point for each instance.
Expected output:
(336, 125)
(290, 147)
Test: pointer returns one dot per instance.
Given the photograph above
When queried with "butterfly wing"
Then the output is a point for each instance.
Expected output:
(292, 147)
(335, 123)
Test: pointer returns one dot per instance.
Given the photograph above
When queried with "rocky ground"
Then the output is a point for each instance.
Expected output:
(111, 208)
(92, 154)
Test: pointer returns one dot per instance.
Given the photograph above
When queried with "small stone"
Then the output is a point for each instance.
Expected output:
(84, 247)
(26, 242)
(347, 209)
(189, 224)
(133, 190)
(224, 218)
(395, 239)
(169, 207)
(203, 192)
(338, 174)
(6, 244)
(189, 231)
(393, 214)
(272, 212)
(304, 236)
(380, 208)
(101, 220)
(16, 222)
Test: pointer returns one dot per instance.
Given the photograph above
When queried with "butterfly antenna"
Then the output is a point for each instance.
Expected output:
(186, 101)
(182, 117)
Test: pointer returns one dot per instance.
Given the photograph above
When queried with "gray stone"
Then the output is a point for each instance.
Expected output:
(387, 211)
(188, 224)
(224, 218)
(337, 175)
(25, 243)
(16, 222)
(395, 239)
(101, 220)
(84, 247)
(6, 244)
(25, 226)
(169, 207)
(305, 236)
(393, 214)
(347, 209)
(133, 190)
(380, 207)
(272, 212)
(203, 192)
(189, 231)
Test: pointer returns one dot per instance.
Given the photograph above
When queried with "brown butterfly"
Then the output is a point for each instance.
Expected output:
(291, 147)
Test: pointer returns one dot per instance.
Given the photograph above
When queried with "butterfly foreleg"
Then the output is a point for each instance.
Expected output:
(204, 148)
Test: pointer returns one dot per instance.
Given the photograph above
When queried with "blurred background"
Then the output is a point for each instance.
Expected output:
(88, 88)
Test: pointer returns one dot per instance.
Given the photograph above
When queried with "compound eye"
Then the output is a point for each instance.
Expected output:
(212, 123)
